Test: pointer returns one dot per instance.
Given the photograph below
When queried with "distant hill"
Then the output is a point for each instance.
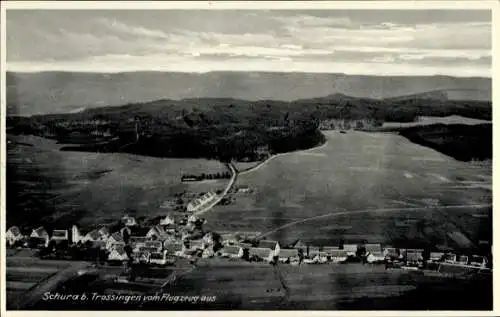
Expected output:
(448, 94)
(64, 92)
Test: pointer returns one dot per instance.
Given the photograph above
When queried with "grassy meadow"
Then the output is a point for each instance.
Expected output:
(350, 174)
(46, 185)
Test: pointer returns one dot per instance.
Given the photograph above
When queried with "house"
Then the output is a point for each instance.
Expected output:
(104, 232)
(192, 219)
(375, 257)
(126, 231)
(299, 244)
(463, 259)
(196, 244)
(170, 239)
(450, 258)
(139, 231)
(231, 251)
(373, 248)
(337, 256)
(159, 258)
(39, 232)
(244, 189)
(269, 244)
(320, 257)
(208, 253)
(118, 254)
(157, 246)
(114, 240)
(261, 254)
(39, 237)
(209, 238)
(287, 255)
(169, 229)
(351, 249)
(156, 233)
(13, 235)
(141, 257)
(174, 248)
(391, 253)
(414, 254)
(137, 242)
(244, 245)
(479, 261)
(413, 258)
(229, 238)
(329, 249)
(60, 235)
(93, 235)
(436, 256)
(75, 234)
(201, 202)
(129, 221)
(168, 220)
(312, 252)
(122, 278)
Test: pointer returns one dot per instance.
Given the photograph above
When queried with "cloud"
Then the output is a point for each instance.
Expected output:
(291, 41)
(309, 20)
(133, 30)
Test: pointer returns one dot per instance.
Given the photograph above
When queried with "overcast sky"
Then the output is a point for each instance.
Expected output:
(456, 43)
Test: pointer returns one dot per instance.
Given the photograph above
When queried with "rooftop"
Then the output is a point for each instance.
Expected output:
(231, 249)
(267, 244)
(260, 252)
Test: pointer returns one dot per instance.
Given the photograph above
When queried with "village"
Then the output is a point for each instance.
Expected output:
(170, 239)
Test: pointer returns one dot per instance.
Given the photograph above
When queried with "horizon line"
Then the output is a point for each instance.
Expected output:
(235, 71)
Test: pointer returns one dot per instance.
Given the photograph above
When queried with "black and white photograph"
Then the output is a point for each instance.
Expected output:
(258, 158)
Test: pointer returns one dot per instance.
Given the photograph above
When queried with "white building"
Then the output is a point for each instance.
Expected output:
(60, 235)
(129, 221)
(118, 254)
(264, 254)
(168, 220)
(159, 258)
(337, 256)
(351, 249)
(13, 235)
(156, 232)
(75, 234)
(114, 241)
(287, 255)
(192, 219)
(201, 202)
(477, 260)
(231, 251)
(375, 256)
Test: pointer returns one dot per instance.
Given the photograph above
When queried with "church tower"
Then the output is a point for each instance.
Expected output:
(75, 234)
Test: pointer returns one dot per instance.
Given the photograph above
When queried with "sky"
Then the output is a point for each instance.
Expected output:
(375, 42)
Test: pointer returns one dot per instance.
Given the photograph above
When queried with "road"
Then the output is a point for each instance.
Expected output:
(272, 157)
(33, 296)
(361, 211)
(219, 198)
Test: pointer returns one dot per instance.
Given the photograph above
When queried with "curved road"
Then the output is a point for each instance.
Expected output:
(361, 211)
(223, 194)
(267, 160)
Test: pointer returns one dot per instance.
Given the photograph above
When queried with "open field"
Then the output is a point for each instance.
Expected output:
(24, 274)
(354, 172)
(356, 286)
(90, 188)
